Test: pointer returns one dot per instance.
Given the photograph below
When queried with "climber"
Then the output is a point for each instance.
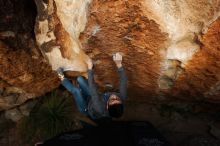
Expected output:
(89, 102)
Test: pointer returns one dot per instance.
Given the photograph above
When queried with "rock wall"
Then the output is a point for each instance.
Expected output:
(24, 73)
(170, 48)
(201, 77)
(122, 26)
(57, 30)
(161, 42)
(185, 22)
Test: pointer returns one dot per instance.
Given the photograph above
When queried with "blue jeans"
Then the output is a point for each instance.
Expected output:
(81, 94)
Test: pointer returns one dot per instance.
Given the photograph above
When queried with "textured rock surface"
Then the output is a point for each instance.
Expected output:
(157, 59)
(124, 27)
(170, 48)
(24, 73)
(201, 77)
(57, 30)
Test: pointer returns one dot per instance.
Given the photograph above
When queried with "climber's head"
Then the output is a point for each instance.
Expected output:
(115, 106)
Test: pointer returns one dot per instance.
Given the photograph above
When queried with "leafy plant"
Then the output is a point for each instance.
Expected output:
(55, 116)
(52, 116)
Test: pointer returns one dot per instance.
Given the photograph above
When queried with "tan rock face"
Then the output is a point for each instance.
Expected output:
(57, 29)
(184, 21)
(180, 18)
(122, 26)
(126, 26)
(170, 48)
(201, 78)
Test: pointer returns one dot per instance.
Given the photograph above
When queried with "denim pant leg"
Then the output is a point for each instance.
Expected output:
(84, 86)
(80, 101)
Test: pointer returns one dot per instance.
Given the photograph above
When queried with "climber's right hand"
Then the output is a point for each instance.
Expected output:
(117, 58)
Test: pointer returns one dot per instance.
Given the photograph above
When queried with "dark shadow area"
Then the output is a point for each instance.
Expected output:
(17, 15)
(111, 134)
(17, 20)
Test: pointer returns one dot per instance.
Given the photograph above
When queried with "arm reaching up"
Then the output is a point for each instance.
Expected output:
(96, 103)
(117, 58)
